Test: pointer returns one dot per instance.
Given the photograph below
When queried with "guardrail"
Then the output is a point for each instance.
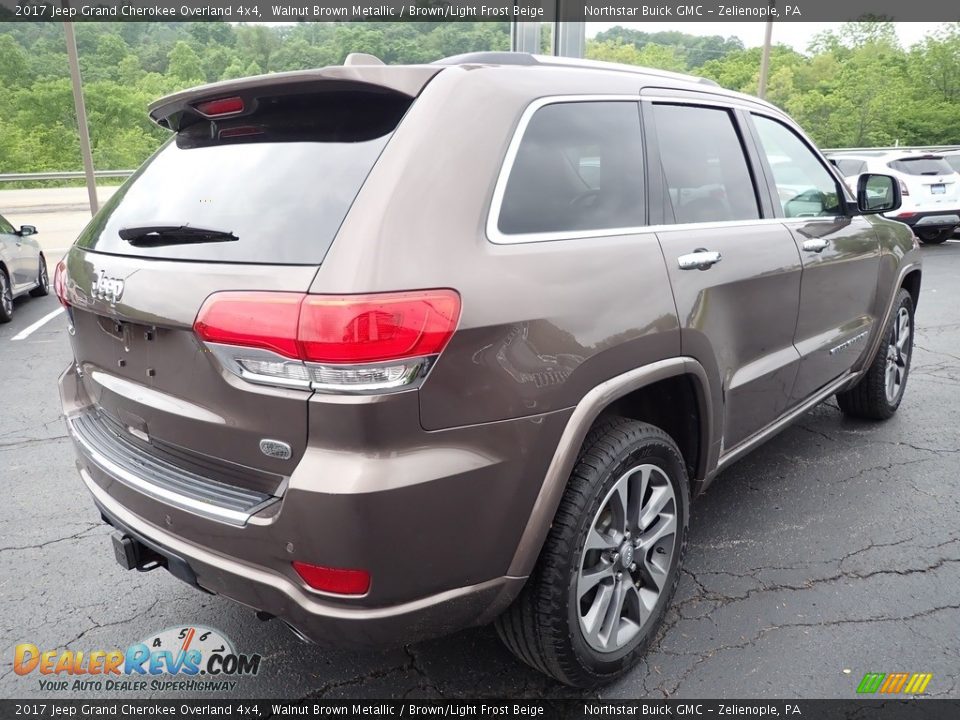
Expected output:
(69, 175)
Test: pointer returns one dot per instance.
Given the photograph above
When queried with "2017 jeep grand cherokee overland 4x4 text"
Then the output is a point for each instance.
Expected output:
(390, 351)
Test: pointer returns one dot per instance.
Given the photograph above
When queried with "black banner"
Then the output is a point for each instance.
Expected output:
(892, 709)
(477, 10)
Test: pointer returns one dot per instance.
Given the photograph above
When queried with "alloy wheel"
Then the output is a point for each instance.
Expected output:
(627, 558)
(6, 294)
(898, 355)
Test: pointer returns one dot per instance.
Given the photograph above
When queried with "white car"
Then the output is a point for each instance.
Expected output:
(929, 184)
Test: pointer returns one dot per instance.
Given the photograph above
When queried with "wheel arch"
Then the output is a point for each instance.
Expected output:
(636, 394)
(911, 283)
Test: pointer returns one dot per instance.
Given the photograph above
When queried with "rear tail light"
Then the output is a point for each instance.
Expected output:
(903, 188)
(333, 580)
(337, 343)
(60, 283)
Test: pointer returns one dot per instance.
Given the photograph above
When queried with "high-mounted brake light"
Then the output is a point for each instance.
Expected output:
(60, 283)
(350, 343)
(222, 106)
(333, 580)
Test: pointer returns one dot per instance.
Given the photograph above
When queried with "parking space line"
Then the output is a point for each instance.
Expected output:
(27, 331)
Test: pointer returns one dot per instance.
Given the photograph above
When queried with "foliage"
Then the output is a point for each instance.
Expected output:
(854, 86)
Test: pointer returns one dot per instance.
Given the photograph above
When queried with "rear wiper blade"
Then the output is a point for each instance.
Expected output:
(153, 235)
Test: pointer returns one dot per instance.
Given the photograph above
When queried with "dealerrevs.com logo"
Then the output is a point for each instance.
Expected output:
(192, 658)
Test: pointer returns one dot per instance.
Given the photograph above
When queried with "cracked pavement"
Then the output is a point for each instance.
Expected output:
(831, 551)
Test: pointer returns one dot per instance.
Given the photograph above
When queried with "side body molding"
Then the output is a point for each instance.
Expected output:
(583, 417)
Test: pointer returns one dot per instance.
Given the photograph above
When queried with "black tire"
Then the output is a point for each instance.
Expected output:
(6, 298)
(934, 237)
(543, 626)
(869, 399)
(43, 280)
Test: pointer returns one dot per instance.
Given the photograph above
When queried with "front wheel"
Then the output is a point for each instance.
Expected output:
(934, 237)
(6, 298)
(43, 280)
(611, 561)
(878, 393)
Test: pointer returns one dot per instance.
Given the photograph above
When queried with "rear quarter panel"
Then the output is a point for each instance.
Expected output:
(542, 323)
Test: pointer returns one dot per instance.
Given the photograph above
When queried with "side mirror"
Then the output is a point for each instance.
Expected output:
(877, 194)
(26, 230)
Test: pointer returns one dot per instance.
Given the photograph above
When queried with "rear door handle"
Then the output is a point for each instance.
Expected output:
(815, 245)
(699, 259)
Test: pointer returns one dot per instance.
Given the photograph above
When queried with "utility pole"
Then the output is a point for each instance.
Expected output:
(765, 58)
(81, 110)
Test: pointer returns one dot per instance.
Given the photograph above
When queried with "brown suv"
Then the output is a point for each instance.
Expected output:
(390, 351)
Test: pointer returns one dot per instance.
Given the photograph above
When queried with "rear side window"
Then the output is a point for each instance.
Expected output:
(849, 168)
(954, 162)
(281, 182)
(921, 166)
(704, 167)
(579, 167)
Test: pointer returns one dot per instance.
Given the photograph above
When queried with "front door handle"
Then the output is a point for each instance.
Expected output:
(815, 245)
(699, 259)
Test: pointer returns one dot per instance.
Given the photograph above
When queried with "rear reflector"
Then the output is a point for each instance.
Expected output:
(223, 106)
(333, 580)
(903, 189)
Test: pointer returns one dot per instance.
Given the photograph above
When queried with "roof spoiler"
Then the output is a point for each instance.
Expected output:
(180, 109)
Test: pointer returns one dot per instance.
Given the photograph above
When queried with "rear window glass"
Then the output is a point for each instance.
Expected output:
(579, 167)
(849, 168)
(954, 162)
(280, 182)
(922, 166)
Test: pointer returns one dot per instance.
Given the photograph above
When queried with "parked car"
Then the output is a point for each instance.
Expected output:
(953, 158)
(365, 359)
(929, 186)
(22, 266)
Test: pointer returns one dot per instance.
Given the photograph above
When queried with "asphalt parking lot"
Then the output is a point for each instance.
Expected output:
(832, 551)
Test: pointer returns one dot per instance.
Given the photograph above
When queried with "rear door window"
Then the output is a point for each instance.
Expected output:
(579, 167)
(849, 168)
(704, 167)
(281, 182)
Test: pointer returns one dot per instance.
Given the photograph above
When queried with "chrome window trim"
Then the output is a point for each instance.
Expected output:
(495, 236)
(493, 216)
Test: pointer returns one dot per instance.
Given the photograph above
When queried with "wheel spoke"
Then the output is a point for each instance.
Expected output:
(659, 499)
(619, 505)
(597, 540)
(590, 578)
(666, 526)
(654, 573)
(611, 622)
(592, 622)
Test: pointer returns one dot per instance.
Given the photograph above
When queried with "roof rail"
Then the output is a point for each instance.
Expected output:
(489, 58)
(518, 58)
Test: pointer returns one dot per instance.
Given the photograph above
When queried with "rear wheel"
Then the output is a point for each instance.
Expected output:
(6, 298)
(43, 280)
(934, 237)
(611, 561)
(878, 393)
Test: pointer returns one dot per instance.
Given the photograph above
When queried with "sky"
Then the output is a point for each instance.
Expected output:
(795, 34)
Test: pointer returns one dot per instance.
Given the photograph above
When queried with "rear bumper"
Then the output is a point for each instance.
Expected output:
(436, 518)
(931, 220)
(263, 590)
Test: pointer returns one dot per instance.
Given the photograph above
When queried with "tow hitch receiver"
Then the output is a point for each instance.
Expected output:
(134, 555)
